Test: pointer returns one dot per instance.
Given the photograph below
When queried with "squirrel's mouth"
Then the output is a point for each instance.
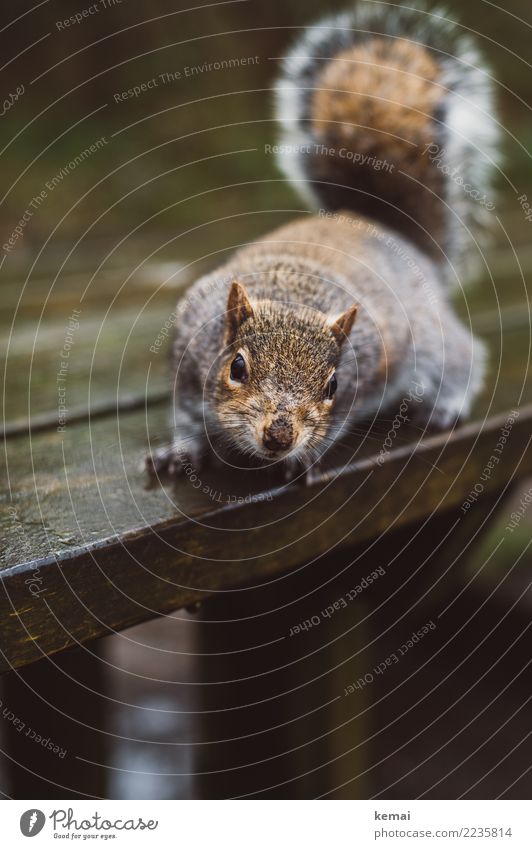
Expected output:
(276, 454)
(271, 454)
(274, 439)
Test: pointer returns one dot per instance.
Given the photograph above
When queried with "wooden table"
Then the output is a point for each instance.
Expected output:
(90, 550)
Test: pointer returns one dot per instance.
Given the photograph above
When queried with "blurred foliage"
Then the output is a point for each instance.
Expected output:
(143, 177)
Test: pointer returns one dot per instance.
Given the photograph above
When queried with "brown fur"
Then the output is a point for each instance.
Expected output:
(368, 85)
(286, 304)
(379, 99)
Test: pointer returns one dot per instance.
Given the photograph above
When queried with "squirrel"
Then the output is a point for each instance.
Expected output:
(387, 131)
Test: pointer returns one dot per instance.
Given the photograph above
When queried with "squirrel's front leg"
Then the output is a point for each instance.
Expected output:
(188, 448)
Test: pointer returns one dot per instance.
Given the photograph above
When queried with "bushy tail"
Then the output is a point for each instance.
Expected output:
(388, 112)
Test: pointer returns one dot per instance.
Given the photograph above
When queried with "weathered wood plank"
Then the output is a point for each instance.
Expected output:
(87, 352)
(122, 378)
(96, 574)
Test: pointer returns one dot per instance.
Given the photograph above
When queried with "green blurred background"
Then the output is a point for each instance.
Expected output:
(73, 71)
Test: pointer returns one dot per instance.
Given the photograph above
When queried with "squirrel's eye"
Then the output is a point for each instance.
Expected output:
(330, 389)
(238, 369)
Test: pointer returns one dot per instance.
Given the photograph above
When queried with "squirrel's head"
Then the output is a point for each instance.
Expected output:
(277, 381)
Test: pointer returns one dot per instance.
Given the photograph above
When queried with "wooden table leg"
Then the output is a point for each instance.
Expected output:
(53, 714)
(276, 721)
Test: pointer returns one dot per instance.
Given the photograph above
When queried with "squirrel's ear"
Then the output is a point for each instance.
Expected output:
(341, 326)
(239, 310)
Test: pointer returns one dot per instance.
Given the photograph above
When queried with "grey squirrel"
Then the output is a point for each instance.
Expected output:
(388, 132)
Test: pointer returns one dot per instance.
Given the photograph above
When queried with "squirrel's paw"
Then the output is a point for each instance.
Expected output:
(156, 462)
(293, 470)
(312, 475)
(171, 460)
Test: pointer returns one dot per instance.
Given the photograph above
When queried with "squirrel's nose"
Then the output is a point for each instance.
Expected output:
(279, 436)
